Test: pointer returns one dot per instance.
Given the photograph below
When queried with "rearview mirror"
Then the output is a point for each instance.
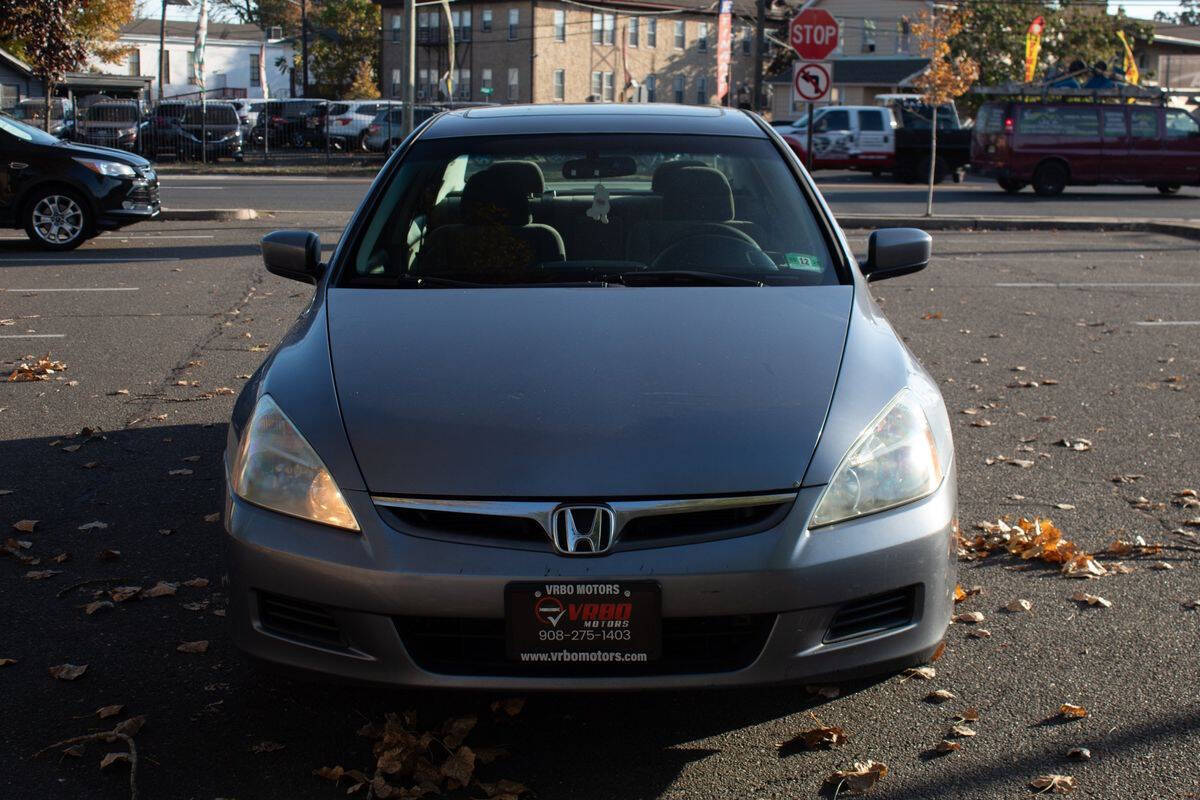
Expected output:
(599, 167)
(293, 254)
(892, 252)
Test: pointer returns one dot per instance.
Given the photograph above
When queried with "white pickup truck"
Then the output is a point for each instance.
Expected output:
(846, 137)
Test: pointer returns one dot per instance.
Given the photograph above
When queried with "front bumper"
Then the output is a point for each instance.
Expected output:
(797, 580)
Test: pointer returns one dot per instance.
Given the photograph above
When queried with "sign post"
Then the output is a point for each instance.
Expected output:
(813, 34)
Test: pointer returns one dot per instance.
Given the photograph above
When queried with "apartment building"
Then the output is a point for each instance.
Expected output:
(543, 51)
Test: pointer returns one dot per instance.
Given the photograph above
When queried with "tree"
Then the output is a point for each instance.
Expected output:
(49, 38)
(342, 32)
(364, 86)
(947, 76)
(263, 13)
(1188, 14)
(99, 23)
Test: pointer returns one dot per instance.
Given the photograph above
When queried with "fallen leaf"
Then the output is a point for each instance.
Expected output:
(511, 706)
(1080, 753)
(42, 574)
(961, 731)
(179, 472)
(1161, 565)
(1069, 710)
(212, 517)
(192, 459)
(104, 712)
(108, 554)
(1023, 463)
(96, 525)
(330, 773)
(39, 370)
(200, 646)
(939, 696)
(1078, 445)
(860, 779)
(68, 672)
(967, 715)
(828, 692)
(960, 594)
(25, 525)
(119, 392)
(74, 751)
(1083, 565)
(61, 558)
(1193, 605)
(1064, 506)
(1018, 606)
(1091, 599)
(1055, 784)
(223, 390)
(161, 589)
(979, 633)
(947, 746)
(96, 605)
(460, 766)
(968, 617)
(120, 594)
(71, 448)
(196, 583)
(7, 662)
(981, 423)
(266, 747)
(924, 673)
(931, 315)
(938, 651)
(823, 738)
(114, 758)
(131, 726)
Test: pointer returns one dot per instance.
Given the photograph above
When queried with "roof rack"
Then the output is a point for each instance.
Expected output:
(1121, 92)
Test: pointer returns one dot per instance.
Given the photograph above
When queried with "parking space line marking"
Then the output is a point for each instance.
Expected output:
(158, 236)
(1099, 285)
(33, 336)
(56, 261)
(1163, 323)
(77, 289)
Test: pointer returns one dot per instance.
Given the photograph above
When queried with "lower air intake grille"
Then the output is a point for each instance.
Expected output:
(881, 612)
(692, 645)
(299, 620)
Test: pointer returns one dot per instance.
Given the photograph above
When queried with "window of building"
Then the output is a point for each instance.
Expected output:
(485, 21)
(651, 85)
(560, 25)
(135, 65)
(462, 83)
(633, 31)
(397, 27)
(165, 70)
(514, 83)
(191, 65)
(396, 87)
(651, 33)
(560, 84)
(679, 89)
(609, 87)
(597, 85)
(254, 76)
(868, 37)
(903, 36)
(702, 90)
(422, 83)
(747, 40)
(460, 21)
(702, 37)
(680, 37)
(604, 28)
(514, 20)
(485, 81)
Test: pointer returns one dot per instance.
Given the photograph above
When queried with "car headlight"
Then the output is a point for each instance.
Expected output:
(893, 462)
(277, 469)
(112, 169)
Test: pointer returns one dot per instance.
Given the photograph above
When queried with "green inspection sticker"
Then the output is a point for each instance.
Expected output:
(803, 261)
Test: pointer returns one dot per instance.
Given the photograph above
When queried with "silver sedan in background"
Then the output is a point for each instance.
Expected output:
(591, 397)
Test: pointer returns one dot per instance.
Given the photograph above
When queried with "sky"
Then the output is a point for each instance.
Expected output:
(1135, 8)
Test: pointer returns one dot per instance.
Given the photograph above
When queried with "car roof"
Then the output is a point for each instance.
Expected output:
(594, 118)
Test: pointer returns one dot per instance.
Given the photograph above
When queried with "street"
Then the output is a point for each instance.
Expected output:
(159, 326)
(847, 192)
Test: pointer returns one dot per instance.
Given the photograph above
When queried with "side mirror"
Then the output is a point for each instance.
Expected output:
(293, 254)
(892, 252)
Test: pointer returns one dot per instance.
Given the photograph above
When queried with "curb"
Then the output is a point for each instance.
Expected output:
(1184, 229)
(212, 214)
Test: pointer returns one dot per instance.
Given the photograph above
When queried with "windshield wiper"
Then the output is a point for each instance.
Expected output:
(679, 277)
(433, 281)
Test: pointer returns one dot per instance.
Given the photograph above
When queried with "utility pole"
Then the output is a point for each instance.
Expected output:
(760, 24)
(162, 49)
(410, 79)
(304, 45)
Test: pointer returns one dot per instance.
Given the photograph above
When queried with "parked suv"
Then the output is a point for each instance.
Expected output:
(1055, 145)
(348, 122)
(386, 131)
(213, 130)
(285, 121)
(63, 193)
(112, 123)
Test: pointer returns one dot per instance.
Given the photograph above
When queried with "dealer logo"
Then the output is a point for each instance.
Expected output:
(549, 610)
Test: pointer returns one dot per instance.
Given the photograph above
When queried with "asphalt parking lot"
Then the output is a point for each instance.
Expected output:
(159, 326)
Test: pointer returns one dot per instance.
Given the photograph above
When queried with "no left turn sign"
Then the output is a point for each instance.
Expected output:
(811, 81)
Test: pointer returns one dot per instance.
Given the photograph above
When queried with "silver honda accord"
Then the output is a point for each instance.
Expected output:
(591, 397)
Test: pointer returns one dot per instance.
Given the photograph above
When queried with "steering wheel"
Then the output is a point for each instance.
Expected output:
(713, 247)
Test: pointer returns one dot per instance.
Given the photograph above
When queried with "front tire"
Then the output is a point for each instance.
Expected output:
(58, 219)
(1050, 180)
(1168, 188)
(1009, 185)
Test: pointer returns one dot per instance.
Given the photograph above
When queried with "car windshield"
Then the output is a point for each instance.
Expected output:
(627, 209)
(215, 115)
(112, 113)
(26, 133)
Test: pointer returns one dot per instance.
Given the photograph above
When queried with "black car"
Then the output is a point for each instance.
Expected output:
(286, 121)
(212, 130)
(112, 123)
(63, 193)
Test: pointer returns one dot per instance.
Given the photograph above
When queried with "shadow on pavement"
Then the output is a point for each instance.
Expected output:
(24, 254)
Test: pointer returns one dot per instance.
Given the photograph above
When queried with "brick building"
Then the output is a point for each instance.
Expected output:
(543, 51)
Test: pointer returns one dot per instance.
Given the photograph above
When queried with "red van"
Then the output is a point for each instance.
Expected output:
(1054, 145)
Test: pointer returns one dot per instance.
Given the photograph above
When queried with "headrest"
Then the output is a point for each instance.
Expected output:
(664, 170)
(525, 174)
(699, 194)
(492, 197)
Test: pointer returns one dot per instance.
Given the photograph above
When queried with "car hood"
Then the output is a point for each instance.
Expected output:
(107, 153)
(572, 393)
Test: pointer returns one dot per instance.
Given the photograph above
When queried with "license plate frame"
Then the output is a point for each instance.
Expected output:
(583, 622)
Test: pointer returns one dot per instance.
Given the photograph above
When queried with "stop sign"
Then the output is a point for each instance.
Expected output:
(813, 34)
